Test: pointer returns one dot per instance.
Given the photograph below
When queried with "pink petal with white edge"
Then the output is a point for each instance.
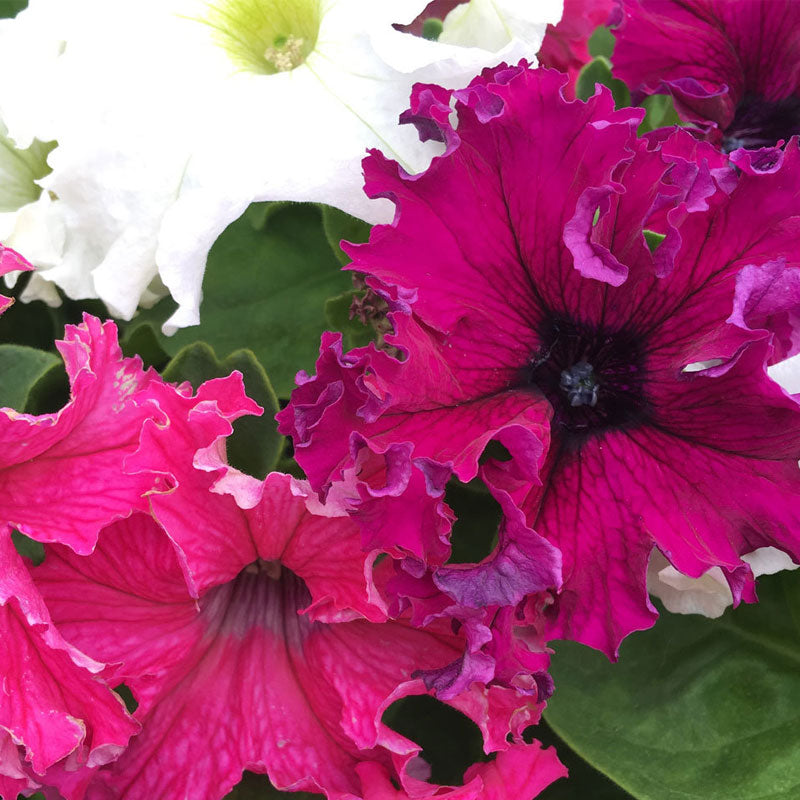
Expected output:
(53, 705)
(62, 475)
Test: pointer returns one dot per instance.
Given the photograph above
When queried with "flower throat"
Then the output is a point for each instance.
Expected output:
(265, 36)
(592, 377)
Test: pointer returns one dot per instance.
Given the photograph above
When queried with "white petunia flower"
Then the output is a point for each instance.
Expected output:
(172, 116)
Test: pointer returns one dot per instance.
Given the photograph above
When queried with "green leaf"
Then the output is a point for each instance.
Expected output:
(10, 8)
(584, 781)
(337, 314)
(29, 324)
(255, 445)
(599, 71)
(661, 113)
(601, 42)
(27, 547)
(695, 709)
(450, 741)
(264, 289)
(474, 534)
(339, 226)
(653, 239)
(258, 787)
(20, 368)
(50, 393)
(144, 343)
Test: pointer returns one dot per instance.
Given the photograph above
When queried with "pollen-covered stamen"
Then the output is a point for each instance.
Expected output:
(593, 377)
(265, 36)
(762, 123)
(580, 384)
(286, 53)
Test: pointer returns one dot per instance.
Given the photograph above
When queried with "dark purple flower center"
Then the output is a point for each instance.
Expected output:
(264, 594)
(593, 377)
(762, 123)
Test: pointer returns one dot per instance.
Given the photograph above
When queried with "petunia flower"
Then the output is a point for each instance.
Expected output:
(236, 101)
(733, 67)
(247, 627)
(540, 308)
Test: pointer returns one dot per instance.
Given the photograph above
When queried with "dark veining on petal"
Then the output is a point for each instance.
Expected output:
(264, 594)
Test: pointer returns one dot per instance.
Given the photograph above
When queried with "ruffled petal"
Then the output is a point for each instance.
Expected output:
(53, 705)
(86, 444)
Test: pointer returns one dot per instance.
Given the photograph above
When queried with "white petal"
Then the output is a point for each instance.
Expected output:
(709, 594)
(492, 24)
(787, 374)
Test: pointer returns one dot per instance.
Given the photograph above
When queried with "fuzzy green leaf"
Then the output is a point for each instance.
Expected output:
(340, 226)
(20, 368)
(695, 709)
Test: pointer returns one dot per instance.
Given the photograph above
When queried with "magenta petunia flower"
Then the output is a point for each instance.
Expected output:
(248, 628)
(539, 304)
(733, 65)
(54, 709)
(61, 474)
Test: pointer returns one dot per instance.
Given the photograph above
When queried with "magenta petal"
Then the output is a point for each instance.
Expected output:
(63, 476)
(566, 46)
(53, 705)
(768, 297)
(10, 261)
(524, 563)
(291, 526)
(592, 259)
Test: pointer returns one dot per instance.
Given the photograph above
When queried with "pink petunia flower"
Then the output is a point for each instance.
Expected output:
(731, 65)
(248, 628)
(539, 307)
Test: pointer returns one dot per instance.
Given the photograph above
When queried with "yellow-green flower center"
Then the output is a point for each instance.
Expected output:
(19, 171)
(265, 36)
